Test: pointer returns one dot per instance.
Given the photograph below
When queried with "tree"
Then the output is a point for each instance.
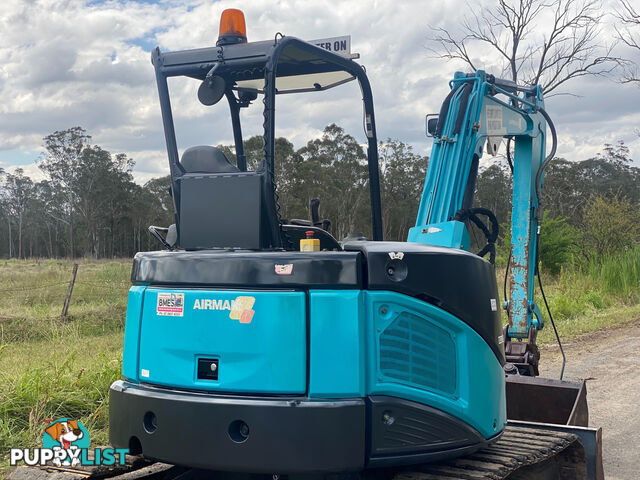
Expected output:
(61, 163)
(402, 174)
(160, 202)
(20, 191)
(333, 168)
(628, 32)
(101, 179)
(535, 41)
(568, 185)
(4, 210)
(611, 223)
(493, 191)
(47, 201)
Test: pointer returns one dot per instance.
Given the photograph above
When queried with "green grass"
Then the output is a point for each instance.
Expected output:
(51, 366)
(600, 295)
(618, 274)
(34, 292)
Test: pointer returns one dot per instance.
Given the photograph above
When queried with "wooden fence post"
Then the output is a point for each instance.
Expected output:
(65, 307)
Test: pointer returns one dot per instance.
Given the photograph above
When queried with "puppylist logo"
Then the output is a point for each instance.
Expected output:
(65, 443)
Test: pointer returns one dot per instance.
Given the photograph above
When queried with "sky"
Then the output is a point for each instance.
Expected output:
(69, 62)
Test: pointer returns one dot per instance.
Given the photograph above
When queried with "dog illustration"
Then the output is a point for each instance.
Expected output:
(65, 432)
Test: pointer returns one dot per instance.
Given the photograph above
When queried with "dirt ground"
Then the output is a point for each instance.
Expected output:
(610, 362)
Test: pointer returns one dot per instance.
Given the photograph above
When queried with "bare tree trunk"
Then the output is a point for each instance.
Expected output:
(10, 238)
(71, 227)
(20, 235)
(50, 245)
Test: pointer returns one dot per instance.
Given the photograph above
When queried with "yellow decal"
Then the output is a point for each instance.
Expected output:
(242, 309)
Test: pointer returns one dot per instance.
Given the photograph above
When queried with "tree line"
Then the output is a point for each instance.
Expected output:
(89, 205)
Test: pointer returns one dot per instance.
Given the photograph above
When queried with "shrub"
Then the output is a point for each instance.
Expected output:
(557, 243)
(611, 224)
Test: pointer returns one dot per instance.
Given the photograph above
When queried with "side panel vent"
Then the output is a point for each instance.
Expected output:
(416, 352)
(413, 427)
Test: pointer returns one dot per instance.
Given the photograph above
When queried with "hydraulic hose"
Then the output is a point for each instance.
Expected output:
(549, 157)
(541, 170)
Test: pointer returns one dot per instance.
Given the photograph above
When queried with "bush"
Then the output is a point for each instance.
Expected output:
(557, 243)
(611, 224)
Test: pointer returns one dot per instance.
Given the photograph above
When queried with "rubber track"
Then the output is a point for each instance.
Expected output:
(516, 448)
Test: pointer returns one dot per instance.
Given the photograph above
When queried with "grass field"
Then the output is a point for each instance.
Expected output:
(52, 367)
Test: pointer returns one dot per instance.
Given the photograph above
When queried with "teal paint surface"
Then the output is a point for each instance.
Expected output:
(267, 354)
(130, 353)
(337, 344)
(478, 397)
(447, 234)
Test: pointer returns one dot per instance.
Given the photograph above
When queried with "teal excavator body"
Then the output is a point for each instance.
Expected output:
(243, 353)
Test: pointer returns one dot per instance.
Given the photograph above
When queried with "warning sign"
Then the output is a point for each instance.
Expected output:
(339, 45)
(494, 121)
(170, 304)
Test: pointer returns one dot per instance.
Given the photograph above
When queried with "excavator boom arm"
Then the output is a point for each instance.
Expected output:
(479, 110)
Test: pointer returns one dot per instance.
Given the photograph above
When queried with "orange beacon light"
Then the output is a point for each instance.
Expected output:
(232, 27)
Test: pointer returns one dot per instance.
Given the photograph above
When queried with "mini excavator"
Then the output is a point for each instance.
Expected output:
(259, 346)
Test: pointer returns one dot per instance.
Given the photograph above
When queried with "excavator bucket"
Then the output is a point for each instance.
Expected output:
(546, 400)
(558, 405)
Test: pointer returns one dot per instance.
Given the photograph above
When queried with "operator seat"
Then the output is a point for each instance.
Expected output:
(221, 206)
(206, 159)
(224, 207)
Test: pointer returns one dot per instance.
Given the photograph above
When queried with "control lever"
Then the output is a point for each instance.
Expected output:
(314, 207)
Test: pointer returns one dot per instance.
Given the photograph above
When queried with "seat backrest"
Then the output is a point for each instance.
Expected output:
(206, 159)
(223, 207)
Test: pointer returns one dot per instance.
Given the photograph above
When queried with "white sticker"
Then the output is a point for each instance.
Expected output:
(170, 304)
(500, 340)
(494, 121)
(286, 269)
(494, 305)
(368, 125)
(144, 373)
(396, 255)
(340, 45)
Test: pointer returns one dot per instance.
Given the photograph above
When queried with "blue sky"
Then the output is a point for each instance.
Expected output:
(68, 62)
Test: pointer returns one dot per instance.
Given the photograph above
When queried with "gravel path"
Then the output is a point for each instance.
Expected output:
(610, 362)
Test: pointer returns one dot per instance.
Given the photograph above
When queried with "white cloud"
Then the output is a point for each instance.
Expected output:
(66, 63)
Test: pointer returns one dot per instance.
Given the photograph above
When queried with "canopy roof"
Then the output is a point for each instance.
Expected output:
(300, 67)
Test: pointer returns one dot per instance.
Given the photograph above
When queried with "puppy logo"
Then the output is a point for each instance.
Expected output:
(67, 434)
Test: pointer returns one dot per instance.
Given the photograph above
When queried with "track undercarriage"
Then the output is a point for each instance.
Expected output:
(525, 451)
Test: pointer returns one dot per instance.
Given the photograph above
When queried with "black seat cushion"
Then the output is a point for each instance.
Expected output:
(206, 159)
